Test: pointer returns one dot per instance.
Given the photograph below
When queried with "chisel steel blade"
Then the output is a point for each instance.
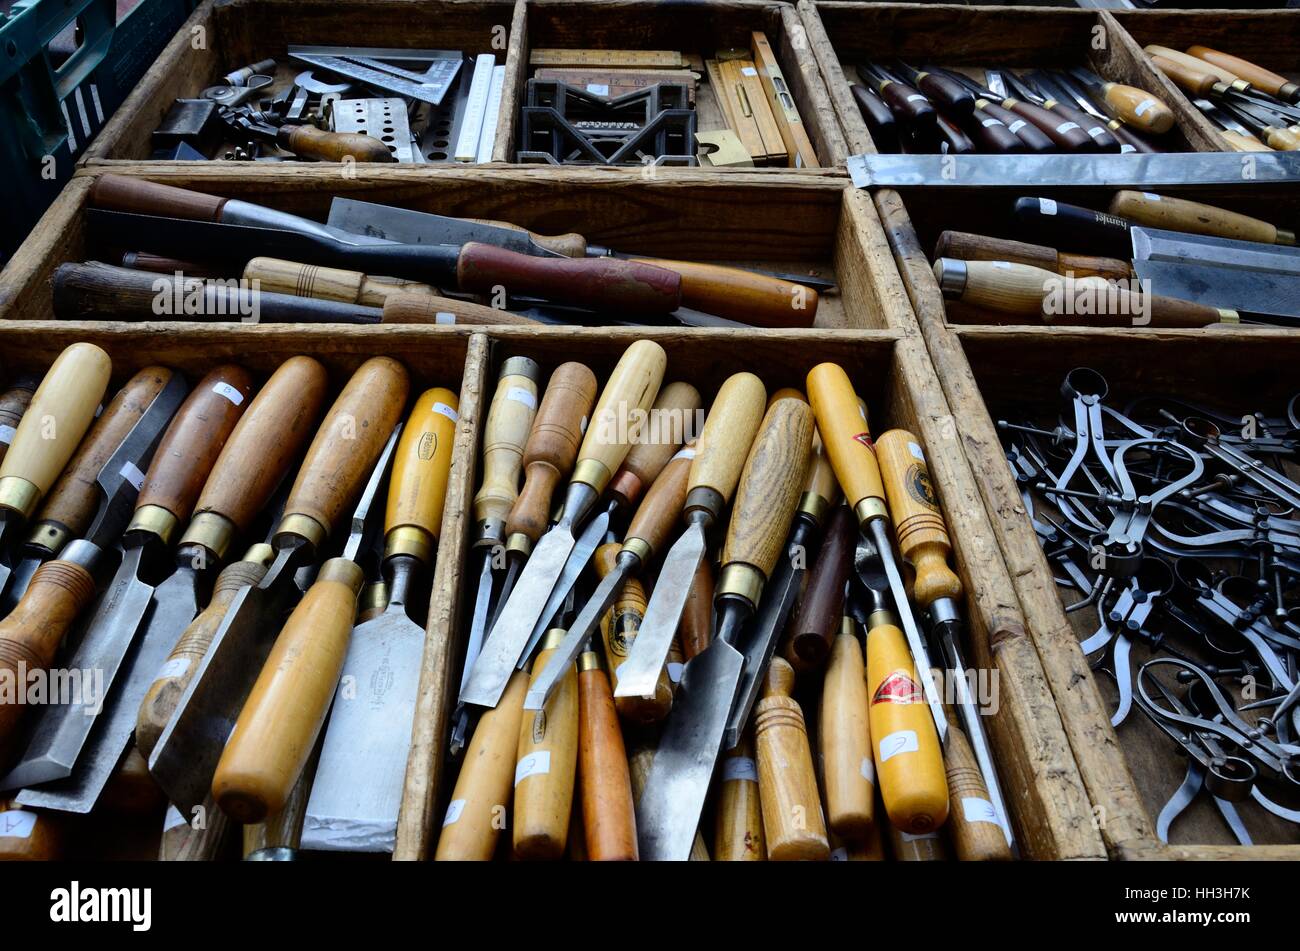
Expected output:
(587, 544)
(473, 644)
(673, 799)
(638, 674)
(418, 227)
(1252, 292)
(1178, 247)
(566, 653)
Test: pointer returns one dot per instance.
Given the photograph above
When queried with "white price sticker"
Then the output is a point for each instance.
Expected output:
(1151, 197)
(454, 809)
(868, 770)
(687, 453)
(442, 409)
(1047, 206)
(976, 809)
(534, 764)
(173, 668)
(1142, 107)
(904, 741)
(1017, 125)
(7, 434)
(174, 819)
(17, 824)
(518, 394)
(444, 317)
(229, 392)
(917, 454)
(132, 474)
(739, 767)
(748, 71)
(675, 672)
(598, 89)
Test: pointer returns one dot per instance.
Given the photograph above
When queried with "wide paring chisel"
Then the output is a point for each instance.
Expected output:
(633, 385)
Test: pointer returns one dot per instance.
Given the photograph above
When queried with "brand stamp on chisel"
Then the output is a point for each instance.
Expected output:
(77, 904)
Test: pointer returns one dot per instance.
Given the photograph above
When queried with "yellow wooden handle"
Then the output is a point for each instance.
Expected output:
(1243, 143)
(1180, 214)
(738, 827)
(509, 419)
(278, 726)
(675, 409)
(1191, 62)
(842, 422)
(59, 415)
(1257, 76)
(1139, 108)
(787, 785)
(620, 411)
(546, 767)
(848, 770)
(418, 488)
(728, 432)
(918, 521)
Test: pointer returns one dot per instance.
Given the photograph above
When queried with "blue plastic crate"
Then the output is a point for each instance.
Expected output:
(52, 105)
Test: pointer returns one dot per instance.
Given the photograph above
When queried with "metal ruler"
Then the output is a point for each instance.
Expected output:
(667, 59)
(373, 67)
(488, 136)
(475, 108)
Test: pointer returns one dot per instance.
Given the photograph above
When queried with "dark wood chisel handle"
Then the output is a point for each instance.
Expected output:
(822, 605)
(310, 142)
(737, 294)
(1068, 226)
(1065, 135)
(119, 193)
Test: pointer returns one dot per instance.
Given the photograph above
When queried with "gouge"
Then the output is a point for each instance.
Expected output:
(330, 481)
(793, 825)
(545, 767)
(976, 830)
(738, 825)
(13, 404)
(633, 385)
(844, 739)
(978, 247)
(608, 819)
(357, 791)
(821, 607)
(87, 744)
(670, 808)
(281, 720)
(69, 393)
(1257, 76)
(266, 441)
(1102, 139)
(1134, 106)
(509, 420)
(619, 627)
(720, 452)
(1223, 75)
(843, 425)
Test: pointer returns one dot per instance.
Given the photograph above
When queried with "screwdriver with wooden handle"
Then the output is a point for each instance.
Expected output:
(546, 765)
(844, 739)
(608, 815)
(738, 824)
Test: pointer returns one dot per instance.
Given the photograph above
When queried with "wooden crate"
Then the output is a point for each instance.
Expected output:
(223, 35)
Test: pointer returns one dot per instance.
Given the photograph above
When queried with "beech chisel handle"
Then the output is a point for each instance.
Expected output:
(1138, 108)
(265, 442)
(136, 196)
(282, 717)
(659, 511)
(842, 422)
(918, 521)
(546, 766)
(728, 433)
(552, 446)
(973, 824)
(343, 453)
(402, 306)
(189, 448)
(509, 418)
(417, 489)
(792, 813)
(738, 828)
(1002, 286)
(848, 770)
(1181, 214)
(977, 247)
(1257, 76)
(13, 404)
(1189, 75)
(1225, 76)
(675, 411)
(757, 299)
(307, 141)
(67, 397)
(608, 819)
(629, 392)
(618, 286)
(330, 283)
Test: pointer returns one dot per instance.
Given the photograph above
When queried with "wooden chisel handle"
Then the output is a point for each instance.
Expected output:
(619, 628)
(282, 717)
(1225, 76)
(546, 766)
(403, 307)
(176, 673)
(1065, 134)
(62, 409)
(75, 497)
(978, 247)
(848, 770)
(1257, 76)
(509, 419)
(738, 827)
(28, 836)
(1188, 74)
(1001, 286)
(32, 632)
(570, 244)
(817, 622)
(480, 801)
(629, 392)
(143, 261)
(188, 450)
(656, 516)
(724, 442)
(13, 404)
(842, 423)
(182, 842)
(674, 414)
(737, 294)
(608, 819)
(417, 489)
(552, 446)
(1034, 139)
(918, 521)
(120, 193)
(973, 823)
(345, 448)
(282, 829)
(1136, 309)
(307, 141)
(880, 121)
(265, 442)
(131, 790)
(1180, 214)
(610, 284)
(329, 283)
(1243, 143)
(639, 763)
(696, 628)
(908, 104)
(1138, 108)
(793, 824)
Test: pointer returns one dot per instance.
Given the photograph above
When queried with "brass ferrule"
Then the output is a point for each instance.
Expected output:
(553, 638)
(870, 508)
(155, 520)
(740, 580)
(305, 527)
(50, 536)
(520, 366)
(1227, 316)
(814, 506)
(374, 598)
(345, 571)
(846, 625)
(881, 618)
(589, 660)
(1240, 85)
(1285, 237)
(639, 547)
(706, 499)
(409, 540)
(520, 544)
(211, 531)
(19, 495)
(592, 472)
(260, 554)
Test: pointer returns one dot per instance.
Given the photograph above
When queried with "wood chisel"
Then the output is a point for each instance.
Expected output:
(1135, 107)
(619, 627)
(632, 386)
(1265, 79)
(70, 392)
(793, 825)
(978, 247)
(642, 748)
(1065, 113)
(821, 607)
(330, 480)
(976, 831)
(1181, 214)
(85, 745)
(1092, 100)
(668, 813)
(604, 782)
(720, 452)
(738, 824)
(357, 790)
(844, 738)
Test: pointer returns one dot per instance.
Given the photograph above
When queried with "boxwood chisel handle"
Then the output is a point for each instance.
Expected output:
(417, 491)
(1138, 108)
(632, 387)
(546, 766)
(1181, 214)
(844, 739)
(1257, 76)
(608, 819)
(1190, 75)
(329, 283)
(978, 247)
(1221, 74)
(757, 299)
(724, 442)
(738, 828)
(509, 418)
(307, 141)
(675, 411)
(792, 811)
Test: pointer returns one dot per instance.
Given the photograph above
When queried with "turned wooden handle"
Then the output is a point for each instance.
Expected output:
(737, 294)
(571, 245)
(918, 521)
(1065, 135)
(973, 823)
(343, 453)
(822, 605)
(1180, 214)
(480, 801)
(659, 511)
(282, 829)
(848, 770)
(62, 409)
(1117, 306)
(32, 632)
(265, 442)
(176, 673)
(787, 786)
(1190, 75)
(1139, 108)
(134, 195)
(546, 762)
(28, 836)
(403, 307)
(842, 423)
(606, 284)
(738, 828)
(977, 247)
(728, 433)
(552, 446)
(307, 141)
(282, 717)
(1220, 74)
(417, 489)
(616, 421)
(193, 441)
(329, 283)
(618, 630)
(1257, 76)
(1002, 286)
(696, 626)
(608, 819)
(13, 404)
(509, 419)
(674, 411)
(75, 497)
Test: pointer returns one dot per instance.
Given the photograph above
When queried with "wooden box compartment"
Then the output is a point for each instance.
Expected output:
(223, 35)
(696, 28)
(988, 373)
(844, 34)
(809, 224)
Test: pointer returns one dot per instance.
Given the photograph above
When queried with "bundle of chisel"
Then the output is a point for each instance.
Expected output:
(632, 691)
(950, 111)
(169, 253)
(334, 104)
(1147, 261)
(1254, 109)
(232, 660)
